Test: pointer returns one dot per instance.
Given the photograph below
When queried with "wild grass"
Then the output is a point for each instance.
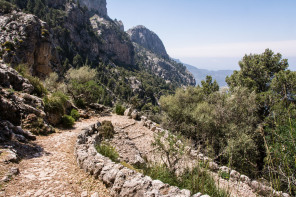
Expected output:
(195, 180)
(108, 151)
(280, 163)
(119, 109)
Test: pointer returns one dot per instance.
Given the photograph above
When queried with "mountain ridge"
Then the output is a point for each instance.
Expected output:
(200, 74)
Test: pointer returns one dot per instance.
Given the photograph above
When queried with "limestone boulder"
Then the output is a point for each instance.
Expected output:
(135, 115)
(128, 112)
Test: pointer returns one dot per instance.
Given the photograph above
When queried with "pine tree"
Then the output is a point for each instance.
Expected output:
(30, 6)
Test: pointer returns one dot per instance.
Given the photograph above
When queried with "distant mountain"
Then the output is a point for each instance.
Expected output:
(151, 53)
(200, 74)
(148, 39)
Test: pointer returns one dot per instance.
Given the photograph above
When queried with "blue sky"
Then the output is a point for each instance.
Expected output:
(214, 34)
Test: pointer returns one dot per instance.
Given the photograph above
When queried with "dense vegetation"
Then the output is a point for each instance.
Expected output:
(251, 126)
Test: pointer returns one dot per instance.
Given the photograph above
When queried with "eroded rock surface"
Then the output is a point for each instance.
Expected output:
(116, 43)
(147, 39)
(26, 39)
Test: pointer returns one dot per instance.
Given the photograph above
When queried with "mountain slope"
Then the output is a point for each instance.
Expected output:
(147, 39)
(200, 74)
(152, 55)
(70, 35)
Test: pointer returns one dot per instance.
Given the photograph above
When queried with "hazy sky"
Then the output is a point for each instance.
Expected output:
(214, 34)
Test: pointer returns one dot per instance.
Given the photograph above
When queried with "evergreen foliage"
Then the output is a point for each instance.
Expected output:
(250, 126)
(68, 121)
(119, 109)
(75, 114)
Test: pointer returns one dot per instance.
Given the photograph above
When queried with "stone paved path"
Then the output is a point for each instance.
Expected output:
(54, 171)
(142, 137)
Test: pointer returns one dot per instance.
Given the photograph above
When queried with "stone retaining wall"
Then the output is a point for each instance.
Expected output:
(120, 180)
(214, 167)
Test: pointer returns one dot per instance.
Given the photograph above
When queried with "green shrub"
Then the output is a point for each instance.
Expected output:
(36, 125)
(119, 109)
(224, 175)
(39, 88)
(80, 103)
(56, 103)
(107, 130)
(162, 173)
(6, 7)
(129, 166)
(195, 180)
(8, 45)
(108, 151)
(68, 121)
(75, 114)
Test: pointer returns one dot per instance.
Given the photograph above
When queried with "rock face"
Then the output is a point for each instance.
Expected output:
(115, 42)
(119, 24)
(167, 69)
(9, 78)
(17, 106)
(84, 43)
(147, 39)
(98, 6)
(26, 39)
(151, 53)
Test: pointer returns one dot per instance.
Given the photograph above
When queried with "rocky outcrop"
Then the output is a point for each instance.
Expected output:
(167, 69)
(147, 39)
(16, 102)
(26, 39)
(119, 24)
(16, 133)
(115, 43)
(151, 53)
(98, 6)
(14, 106)
(9, 78)
(78, 38)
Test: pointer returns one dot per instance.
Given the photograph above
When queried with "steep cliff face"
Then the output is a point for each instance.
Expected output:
(26, 39)
(147, 39)
(98, 6)
(114, 42)
(78, 39)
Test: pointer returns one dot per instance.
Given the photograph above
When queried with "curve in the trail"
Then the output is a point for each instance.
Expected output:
(54, 171)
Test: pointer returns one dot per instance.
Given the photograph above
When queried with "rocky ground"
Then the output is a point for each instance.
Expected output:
(53, 170)
(133, 142)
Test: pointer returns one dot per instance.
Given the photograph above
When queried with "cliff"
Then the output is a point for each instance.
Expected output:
(151, 53)
(147, 39)
(26, 39)
(114, 41)
(98, 6)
